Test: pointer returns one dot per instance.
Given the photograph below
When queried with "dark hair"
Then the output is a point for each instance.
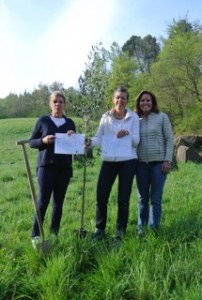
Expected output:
(154, 102)
(122, 89)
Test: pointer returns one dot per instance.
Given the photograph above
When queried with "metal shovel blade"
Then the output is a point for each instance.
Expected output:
(44, 247)
(81, 233)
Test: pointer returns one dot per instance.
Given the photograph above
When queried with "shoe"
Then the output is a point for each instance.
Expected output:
(36, 241)
(98, 234)
(140, 231)
(53, 236)
(119, 234)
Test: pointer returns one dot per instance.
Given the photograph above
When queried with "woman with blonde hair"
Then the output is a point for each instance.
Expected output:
(53, 170)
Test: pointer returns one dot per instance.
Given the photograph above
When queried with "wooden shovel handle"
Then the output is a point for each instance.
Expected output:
(31, 185)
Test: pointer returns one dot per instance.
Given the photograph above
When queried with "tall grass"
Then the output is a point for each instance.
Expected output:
(167, 266)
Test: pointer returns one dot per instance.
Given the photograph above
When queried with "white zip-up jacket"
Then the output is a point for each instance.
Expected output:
(156, 138)
(110, 126)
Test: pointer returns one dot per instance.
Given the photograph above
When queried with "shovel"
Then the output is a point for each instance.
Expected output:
(44, 246)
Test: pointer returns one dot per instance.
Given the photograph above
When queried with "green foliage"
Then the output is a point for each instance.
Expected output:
(182, 26)
(161, 267)
(92, 85)
(143, 50)
(173, 72)
(34, 104)
(8, 106)
(191, 123)
(176, 77)
(123, 72)
(72, 97)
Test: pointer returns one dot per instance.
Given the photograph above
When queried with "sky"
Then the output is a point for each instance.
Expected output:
(43, 41)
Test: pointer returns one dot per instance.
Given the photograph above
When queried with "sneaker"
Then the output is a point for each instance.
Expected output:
(36, 241)
(119, 234)
(140, 231)
(53, 236)
(98, 234)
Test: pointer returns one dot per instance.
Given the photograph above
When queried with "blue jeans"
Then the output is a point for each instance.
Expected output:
(125, 170)
(150, 182)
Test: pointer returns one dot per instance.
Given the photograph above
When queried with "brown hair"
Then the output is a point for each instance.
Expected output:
(154, 102)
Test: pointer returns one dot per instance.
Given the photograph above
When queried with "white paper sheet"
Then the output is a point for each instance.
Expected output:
(113, 146)
(69, 144)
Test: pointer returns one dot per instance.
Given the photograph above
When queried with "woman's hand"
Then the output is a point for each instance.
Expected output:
(70, 132)
(49, 139)
(88, 142)
(122, 133)
(166, 166)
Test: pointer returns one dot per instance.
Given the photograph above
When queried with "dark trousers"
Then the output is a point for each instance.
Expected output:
(125, 170)
(52, 181)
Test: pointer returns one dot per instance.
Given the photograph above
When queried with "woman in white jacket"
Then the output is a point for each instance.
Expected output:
(118, 134)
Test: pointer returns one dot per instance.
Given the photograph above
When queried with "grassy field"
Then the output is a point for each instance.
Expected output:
(164, 267)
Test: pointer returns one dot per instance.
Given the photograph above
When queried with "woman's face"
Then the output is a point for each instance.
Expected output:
(120, 100)
(145, 104)
(57, 106)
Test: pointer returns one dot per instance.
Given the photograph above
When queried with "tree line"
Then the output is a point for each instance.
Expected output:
(171, 68)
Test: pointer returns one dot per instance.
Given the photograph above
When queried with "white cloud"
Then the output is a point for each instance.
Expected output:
(7, 60)
(60, 53)
(64, 48)
(33, 50)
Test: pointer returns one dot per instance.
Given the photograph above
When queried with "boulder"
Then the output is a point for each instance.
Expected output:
(185, 153)
(189, 141)
(188, 148)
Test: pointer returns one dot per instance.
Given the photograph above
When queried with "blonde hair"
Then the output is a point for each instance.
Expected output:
(58, 93)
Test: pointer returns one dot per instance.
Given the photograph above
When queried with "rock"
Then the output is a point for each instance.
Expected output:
(185, 153)
(188, 148)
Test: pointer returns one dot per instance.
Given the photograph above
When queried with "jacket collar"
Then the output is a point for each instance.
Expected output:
(128, 113)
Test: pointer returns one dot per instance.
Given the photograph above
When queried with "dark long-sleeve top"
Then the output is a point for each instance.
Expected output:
(46, 156)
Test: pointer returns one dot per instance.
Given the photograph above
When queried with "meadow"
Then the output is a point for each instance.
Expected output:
(163, 267)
